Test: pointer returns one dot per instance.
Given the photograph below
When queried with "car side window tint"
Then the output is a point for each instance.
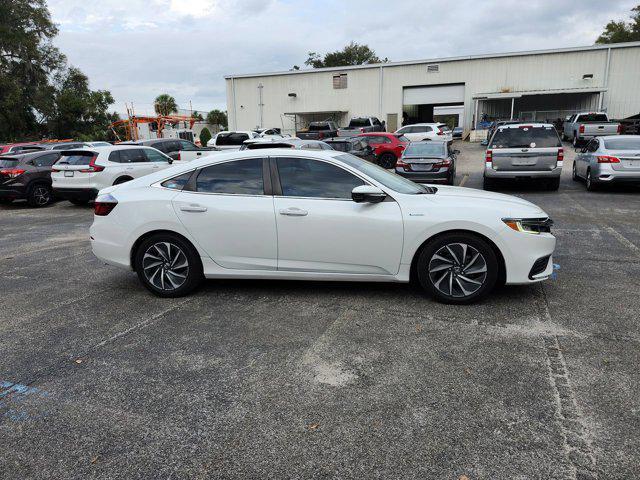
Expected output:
(184, 145)
(115, 156)
(177, 183)
(133, 155)
(240, 177)
(46, 160)
(302, 177)
(154, 156)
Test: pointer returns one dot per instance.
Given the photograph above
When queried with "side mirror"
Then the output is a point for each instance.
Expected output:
(170, 160)
(367, 194)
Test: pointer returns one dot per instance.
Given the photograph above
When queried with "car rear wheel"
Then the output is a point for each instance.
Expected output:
(5, 201)
(592, 185)
(488, 184)
(575, 142)
(574, 173)
(168, 266)
(458, 268)
(387, 160)
(39, 196)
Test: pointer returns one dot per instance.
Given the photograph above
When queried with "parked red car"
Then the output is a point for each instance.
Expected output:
(388, 147)
(18, 147)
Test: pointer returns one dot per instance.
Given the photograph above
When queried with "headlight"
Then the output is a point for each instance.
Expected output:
(529, 225)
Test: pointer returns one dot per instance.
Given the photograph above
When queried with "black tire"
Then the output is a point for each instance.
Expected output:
(488, 184)
(164, 281)
(80, 202)
(436, 276)
(5, 201)
(451, 179)
(553, 184)
(387, 160)
(574, 173)
(591, 185)
(575, 142)
(122, 180)
(39, 195)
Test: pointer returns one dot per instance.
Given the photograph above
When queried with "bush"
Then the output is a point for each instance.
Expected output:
(205, 136)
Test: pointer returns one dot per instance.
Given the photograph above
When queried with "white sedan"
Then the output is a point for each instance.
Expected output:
(317, 215)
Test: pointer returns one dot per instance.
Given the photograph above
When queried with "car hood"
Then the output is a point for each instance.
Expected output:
(512, 206)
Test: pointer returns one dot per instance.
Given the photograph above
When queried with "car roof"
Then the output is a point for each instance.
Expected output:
(527, 124)
(105, 149)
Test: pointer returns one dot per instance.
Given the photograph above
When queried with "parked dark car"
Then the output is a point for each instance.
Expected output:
(358, 146)
(27, 176)
(171, 146)
(319, 131)
(257, 143)
(457, 132)
(428, 162)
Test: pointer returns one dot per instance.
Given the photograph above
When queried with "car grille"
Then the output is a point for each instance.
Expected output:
(539, 266)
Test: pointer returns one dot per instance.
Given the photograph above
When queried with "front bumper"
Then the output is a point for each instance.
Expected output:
(76, 193)
(523, 253)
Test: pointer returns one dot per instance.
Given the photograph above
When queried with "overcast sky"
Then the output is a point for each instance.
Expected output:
(140, 48)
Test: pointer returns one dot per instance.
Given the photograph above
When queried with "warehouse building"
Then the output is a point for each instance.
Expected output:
(538, 85)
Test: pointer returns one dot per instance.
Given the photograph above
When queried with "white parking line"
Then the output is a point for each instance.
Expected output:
(464, 180)
(624, 240)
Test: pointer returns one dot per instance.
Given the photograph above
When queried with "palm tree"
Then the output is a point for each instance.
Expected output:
(165, 104)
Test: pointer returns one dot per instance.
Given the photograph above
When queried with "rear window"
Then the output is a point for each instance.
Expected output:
(435, 149)
(231, 138)
(525, 137)
(76, 158)
(593, 117)
(444, 128)
(315, 127)
(402, 138)
(622, 144)
(359, 122)
(8, 162)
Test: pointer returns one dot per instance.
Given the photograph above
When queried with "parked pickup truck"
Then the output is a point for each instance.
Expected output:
(359, 125)
(319, 131)
(580, 127)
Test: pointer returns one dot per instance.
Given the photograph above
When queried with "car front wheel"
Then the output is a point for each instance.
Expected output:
(458, 268)
(168, 266)
(387, 160)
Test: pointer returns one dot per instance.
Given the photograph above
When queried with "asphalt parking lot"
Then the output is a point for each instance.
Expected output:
(265, 379)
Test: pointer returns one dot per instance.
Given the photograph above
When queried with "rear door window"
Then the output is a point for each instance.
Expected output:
(241, 177)
(525, 137)
(133, 155)
(154, 156)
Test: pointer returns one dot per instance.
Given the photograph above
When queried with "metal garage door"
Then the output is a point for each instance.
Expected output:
(434, 94)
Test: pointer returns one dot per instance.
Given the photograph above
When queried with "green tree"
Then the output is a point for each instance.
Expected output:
(27, 59)
(617, 32)
(205, 136)
(165, 104)
(78, 112)
(352, 54)
(217, 117)
(196, 115)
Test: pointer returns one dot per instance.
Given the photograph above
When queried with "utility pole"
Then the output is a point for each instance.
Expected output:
(260, 105)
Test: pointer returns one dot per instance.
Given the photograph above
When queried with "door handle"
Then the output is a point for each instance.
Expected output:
(193, 208)
(294, 212)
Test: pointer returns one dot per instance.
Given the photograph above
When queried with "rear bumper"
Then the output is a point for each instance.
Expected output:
(73, 193)
(605, 173)
(425, 177)
(522, 174)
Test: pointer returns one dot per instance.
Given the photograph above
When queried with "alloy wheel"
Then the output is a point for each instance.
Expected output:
(165, 265)
(41, 196)
(457, 270)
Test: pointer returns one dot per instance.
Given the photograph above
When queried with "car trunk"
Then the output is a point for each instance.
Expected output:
(629, 160)
(515, 159)
(421, 164)
(75, 166)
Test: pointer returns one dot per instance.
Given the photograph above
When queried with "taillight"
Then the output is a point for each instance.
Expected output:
(362, 130)
(440, 132)
(320, 135)
(178, 158)
(560, 155)
(104, 204)
(581, 129)
(488, 156)
(12, 172)
(608, 159)
(445, 163)
(619, 129)
(400, 163)
(92, 166)
(525, 127)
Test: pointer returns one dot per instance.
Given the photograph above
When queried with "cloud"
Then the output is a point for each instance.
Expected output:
(140, 48)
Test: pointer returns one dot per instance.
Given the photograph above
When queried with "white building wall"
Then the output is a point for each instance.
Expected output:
(363, 96)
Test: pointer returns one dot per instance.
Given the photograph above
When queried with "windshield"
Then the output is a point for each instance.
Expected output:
(425, 150)
(8, 162)
(390, 180)
(623, 143)
(525, 137)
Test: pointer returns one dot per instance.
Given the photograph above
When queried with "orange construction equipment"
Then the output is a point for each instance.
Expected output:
(131, 124)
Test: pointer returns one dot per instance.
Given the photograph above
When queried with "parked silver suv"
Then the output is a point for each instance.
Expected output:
(524, 151)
